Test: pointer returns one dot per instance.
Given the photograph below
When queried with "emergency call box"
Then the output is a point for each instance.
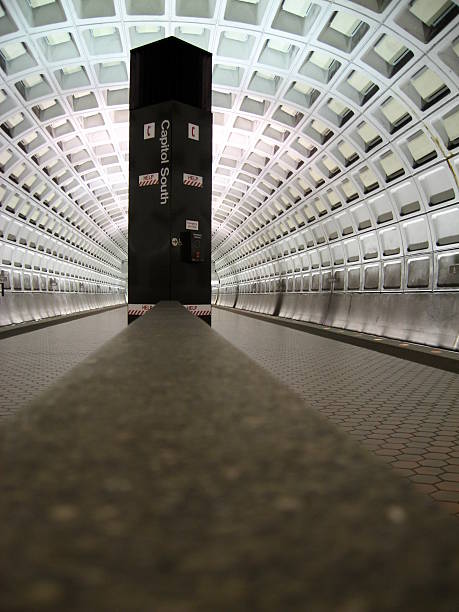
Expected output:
(191, 249)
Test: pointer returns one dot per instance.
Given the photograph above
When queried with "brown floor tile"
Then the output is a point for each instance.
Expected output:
(445, 485)
(411, 465)
(431, 471)
(386, 458)
(433, 462)
(436, 456)
(415, 448)
(451, 496)
(369, 445)
(387, 452)
(442, 444)
(439, 449)
(425, 488)
(426, 479)
(410, 457)
(403, 471)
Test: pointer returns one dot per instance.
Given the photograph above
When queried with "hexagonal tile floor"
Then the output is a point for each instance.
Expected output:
(404, 412)
(32, 361)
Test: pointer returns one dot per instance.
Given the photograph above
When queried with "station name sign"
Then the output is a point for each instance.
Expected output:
(165, 160)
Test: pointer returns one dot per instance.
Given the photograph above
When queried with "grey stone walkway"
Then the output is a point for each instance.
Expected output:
(31, 361)
(404, 412)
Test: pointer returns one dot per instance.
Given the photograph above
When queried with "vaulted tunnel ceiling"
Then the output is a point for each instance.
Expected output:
(315, 104)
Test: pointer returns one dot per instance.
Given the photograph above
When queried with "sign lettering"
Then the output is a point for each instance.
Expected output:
(192, 225)
(165, 160)
(192, 180)
(145, 180)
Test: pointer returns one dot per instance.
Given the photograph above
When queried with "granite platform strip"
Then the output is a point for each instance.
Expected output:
(27, 326)
(168, 472)
(427, 355)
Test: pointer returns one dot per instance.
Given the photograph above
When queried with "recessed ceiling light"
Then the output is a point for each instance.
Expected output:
(429, 11)
(31, 179)
(345, 23)
(58, 38)
(390, 49)
(256, 99)
(193, 30)
(346, 150)
(52, 163)
(359, 81)
(394, 110)
(391, 164)
(266, 75)
(39, 3)
(303, 88)
(315, 174)
(289, 110)
(307, 145)
(32, 80)
(320, 59)
(14, 120)
(368, 177)
(111, 64)
(337, 107)
(46, 104)
(71, 69)
(320, 127)
(12, 51)
(147, 28)
(103, 31)
(5, 156)
(234, 35)
(451, 124)
(330, 164)
(420, 146)
(427, 84)
(368, 133)
(296, 7)
(279, 45)
(81, 94)
(59, 123)
(42, 152)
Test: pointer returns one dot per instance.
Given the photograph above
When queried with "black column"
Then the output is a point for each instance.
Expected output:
(170, 177)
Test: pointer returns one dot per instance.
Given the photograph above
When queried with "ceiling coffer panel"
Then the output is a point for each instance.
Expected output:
(319, 108)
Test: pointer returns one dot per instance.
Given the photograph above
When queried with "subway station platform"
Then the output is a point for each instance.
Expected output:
(140, 482)
(406, 413)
